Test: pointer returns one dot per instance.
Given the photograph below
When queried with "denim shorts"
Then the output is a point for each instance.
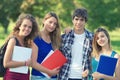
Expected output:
(41, 78)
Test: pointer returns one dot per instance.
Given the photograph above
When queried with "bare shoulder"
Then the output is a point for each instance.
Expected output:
(12, 42)
(117, 55)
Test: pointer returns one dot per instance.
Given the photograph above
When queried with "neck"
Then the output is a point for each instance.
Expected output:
(45, 32)
(106, 50)
(45, 36)
(21, 40)
(79, 31)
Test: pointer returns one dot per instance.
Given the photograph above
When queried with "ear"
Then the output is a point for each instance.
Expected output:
(72, 20)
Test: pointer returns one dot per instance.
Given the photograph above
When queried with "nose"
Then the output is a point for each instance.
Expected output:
(52, 24)
(79, 21)
(27, 28)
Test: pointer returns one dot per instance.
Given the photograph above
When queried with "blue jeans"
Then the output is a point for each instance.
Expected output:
(41, 78)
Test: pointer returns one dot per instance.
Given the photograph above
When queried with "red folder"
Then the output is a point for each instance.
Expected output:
(56, 59)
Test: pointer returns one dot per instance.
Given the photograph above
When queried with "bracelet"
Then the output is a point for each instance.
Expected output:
(25, 63)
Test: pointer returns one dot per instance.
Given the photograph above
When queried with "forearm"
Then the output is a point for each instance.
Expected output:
(40, 68)
(98, 75)
(13, 64)
(109, 77)
(106, 77)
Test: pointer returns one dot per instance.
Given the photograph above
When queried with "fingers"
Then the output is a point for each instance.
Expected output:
(67, 30)
(85, 73)
(94, 79)
(28, 62)
(58, 68)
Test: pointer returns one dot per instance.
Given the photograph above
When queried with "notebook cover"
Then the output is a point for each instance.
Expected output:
(21, 54)
(56, 59)
(107, 65)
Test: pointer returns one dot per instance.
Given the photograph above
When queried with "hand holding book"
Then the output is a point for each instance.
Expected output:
(21, 54)
(107, 65)
(54, 61)
(53, 72)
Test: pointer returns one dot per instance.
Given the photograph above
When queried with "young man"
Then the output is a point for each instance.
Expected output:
(76, 46)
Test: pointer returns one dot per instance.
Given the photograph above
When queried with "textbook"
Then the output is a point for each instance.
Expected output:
(53, 60)
(21, 54)
(107, 65)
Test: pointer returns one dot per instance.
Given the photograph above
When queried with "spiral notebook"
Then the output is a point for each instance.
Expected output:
(107, 65)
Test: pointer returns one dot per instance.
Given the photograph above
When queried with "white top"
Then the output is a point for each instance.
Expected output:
(77, 49)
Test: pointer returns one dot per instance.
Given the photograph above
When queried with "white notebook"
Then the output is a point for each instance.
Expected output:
(21, 54)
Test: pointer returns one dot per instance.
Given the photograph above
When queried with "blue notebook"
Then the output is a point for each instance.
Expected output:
(107, 65)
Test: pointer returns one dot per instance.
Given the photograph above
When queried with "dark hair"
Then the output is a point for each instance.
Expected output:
(81, 13)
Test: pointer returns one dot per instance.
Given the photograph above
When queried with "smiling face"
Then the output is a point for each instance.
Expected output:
(78, 23)
(25, 27)
(50, 24)
(79, 18)
(102, 39)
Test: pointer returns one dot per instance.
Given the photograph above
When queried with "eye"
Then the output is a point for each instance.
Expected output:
(76, 19)
(30, 27)
(82, 19)
(102, 36)
(50, 22)
(24, 25)
(97, 38)
(55, 24)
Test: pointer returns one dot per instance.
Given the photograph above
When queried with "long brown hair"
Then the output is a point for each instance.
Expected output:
(96, 47)
(55, 35)
(32, 35)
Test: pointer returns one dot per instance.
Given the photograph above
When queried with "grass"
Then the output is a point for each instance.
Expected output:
(115, 40)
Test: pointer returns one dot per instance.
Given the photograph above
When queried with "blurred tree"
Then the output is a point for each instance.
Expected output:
(103, 13)
(9, 9)
(63, 8)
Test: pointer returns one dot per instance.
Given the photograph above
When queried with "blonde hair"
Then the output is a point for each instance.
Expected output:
(96, 47)
(55, 35)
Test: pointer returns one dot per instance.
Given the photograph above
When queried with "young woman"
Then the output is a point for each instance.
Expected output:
(48, 39)
(23, 34)
(101, 46)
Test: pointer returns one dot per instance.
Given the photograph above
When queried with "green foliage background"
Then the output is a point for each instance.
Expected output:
(101, 12)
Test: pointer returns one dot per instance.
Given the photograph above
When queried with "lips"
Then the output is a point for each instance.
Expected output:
(101, 42)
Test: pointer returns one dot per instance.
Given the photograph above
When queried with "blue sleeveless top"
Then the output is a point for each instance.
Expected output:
(94, 63)
(43, 49)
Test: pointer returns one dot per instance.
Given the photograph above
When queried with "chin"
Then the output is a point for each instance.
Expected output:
(26, 34)
(102, 45)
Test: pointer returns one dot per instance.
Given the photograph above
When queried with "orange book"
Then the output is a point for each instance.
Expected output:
(54, 60)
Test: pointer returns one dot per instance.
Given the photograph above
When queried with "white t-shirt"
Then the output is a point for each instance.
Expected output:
(77, 49)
